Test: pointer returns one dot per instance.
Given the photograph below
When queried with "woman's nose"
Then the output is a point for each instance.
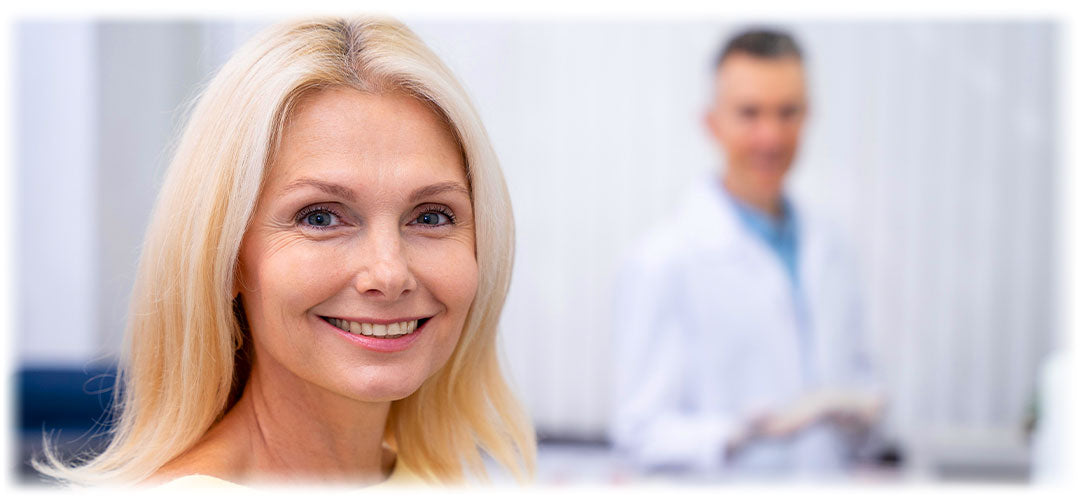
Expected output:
(385, 272)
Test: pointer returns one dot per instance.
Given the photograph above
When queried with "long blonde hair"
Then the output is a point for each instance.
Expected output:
(178, 367)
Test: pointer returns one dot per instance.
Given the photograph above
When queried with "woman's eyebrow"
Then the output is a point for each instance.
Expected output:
(439, 188)
(328, 187)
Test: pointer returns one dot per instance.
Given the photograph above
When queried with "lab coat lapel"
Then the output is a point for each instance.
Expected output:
(763, 288)
(731, 236)
(811, 258)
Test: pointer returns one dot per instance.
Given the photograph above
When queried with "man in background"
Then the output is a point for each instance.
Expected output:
(739, 343)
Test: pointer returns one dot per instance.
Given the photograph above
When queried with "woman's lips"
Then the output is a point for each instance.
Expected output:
(388, 330)
(381, 337)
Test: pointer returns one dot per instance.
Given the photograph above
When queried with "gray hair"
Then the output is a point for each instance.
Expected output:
(760, 43)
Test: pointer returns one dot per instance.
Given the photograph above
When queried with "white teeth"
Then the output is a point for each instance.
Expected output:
(391, 330)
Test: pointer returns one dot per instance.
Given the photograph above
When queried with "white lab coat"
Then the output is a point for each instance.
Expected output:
(706, 335)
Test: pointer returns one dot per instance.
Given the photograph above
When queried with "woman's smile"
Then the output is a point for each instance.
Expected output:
(379, 336)
(375, 328)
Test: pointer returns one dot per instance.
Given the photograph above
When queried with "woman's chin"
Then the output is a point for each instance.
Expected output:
(383, 389)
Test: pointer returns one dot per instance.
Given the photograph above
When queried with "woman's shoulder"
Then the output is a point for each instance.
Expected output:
(198, 481)
(208, 462)
(401, 476)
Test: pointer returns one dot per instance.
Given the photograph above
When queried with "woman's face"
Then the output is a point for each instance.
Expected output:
(359, 266)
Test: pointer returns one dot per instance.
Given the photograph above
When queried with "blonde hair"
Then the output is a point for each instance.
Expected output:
(178, 370)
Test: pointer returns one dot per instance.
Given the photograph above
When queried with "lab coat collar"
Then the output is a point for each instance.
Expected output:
(706, 217)
(709, 216)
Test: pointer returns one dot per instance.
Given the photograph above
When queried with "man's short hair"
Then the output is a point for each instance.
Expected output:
(761, 43)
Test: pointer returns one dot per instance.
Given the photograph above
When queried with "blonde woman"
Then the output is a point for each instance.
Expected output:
(321, 280)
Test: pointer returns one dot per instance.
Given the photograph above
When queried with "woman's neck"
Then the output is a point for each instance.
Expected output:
(283, 429)
(297, 431)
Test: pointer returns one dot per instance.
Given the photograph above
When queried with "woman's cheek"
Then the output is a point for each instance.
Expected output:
(307, 260)
(469, 279)
(449, 270)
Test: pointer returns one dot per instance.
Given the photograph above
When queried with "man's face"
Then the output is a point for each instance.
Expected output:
(756, 117)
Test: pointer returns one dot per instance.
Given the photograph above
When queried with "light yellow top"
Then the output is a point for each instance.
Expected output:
(400, 476)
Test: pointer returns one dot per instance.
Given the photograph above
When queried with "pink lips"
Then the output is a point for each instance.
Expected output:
(379, 344)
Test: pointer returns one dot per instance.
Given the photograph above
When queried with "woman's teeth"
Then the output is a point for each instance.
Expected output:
(391, 331)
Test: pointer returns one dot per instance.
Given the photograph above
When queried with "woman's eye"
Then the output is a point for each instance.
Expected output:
(320, 218)
(433, 219)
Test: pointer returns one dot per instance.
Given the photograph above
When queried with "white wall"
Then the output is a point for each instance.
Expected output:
(932, 144)
(98, 106)
(56, 194)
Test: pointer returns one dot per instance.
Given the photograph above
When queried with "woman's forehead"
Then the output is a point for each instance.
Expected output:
(351, 137)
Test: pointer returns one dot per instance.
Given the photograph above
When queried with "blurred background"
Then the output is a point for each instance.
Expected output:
(933, 145)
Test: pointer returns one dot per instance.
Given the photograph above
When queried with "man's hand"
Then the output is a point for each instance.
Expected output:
(850, 409)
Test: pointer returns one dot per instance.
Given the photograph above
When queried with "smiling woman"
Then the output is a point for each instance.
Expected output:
(328, 256)
(364, 227)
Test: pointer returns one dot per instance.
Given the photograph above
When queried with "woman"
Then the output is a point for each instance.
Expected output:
(322, 277)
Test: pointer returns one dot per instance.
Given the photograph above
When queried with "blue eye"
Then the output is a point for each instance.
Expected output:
(433, 219)
(319, 218)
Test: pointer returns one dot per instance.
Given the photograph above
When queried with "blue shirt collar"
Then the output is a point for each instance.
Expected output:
(761, 223)
(779, 234)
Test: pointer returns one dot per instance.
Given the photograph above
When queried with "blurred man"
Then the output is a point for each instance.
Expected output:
(739, 345)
